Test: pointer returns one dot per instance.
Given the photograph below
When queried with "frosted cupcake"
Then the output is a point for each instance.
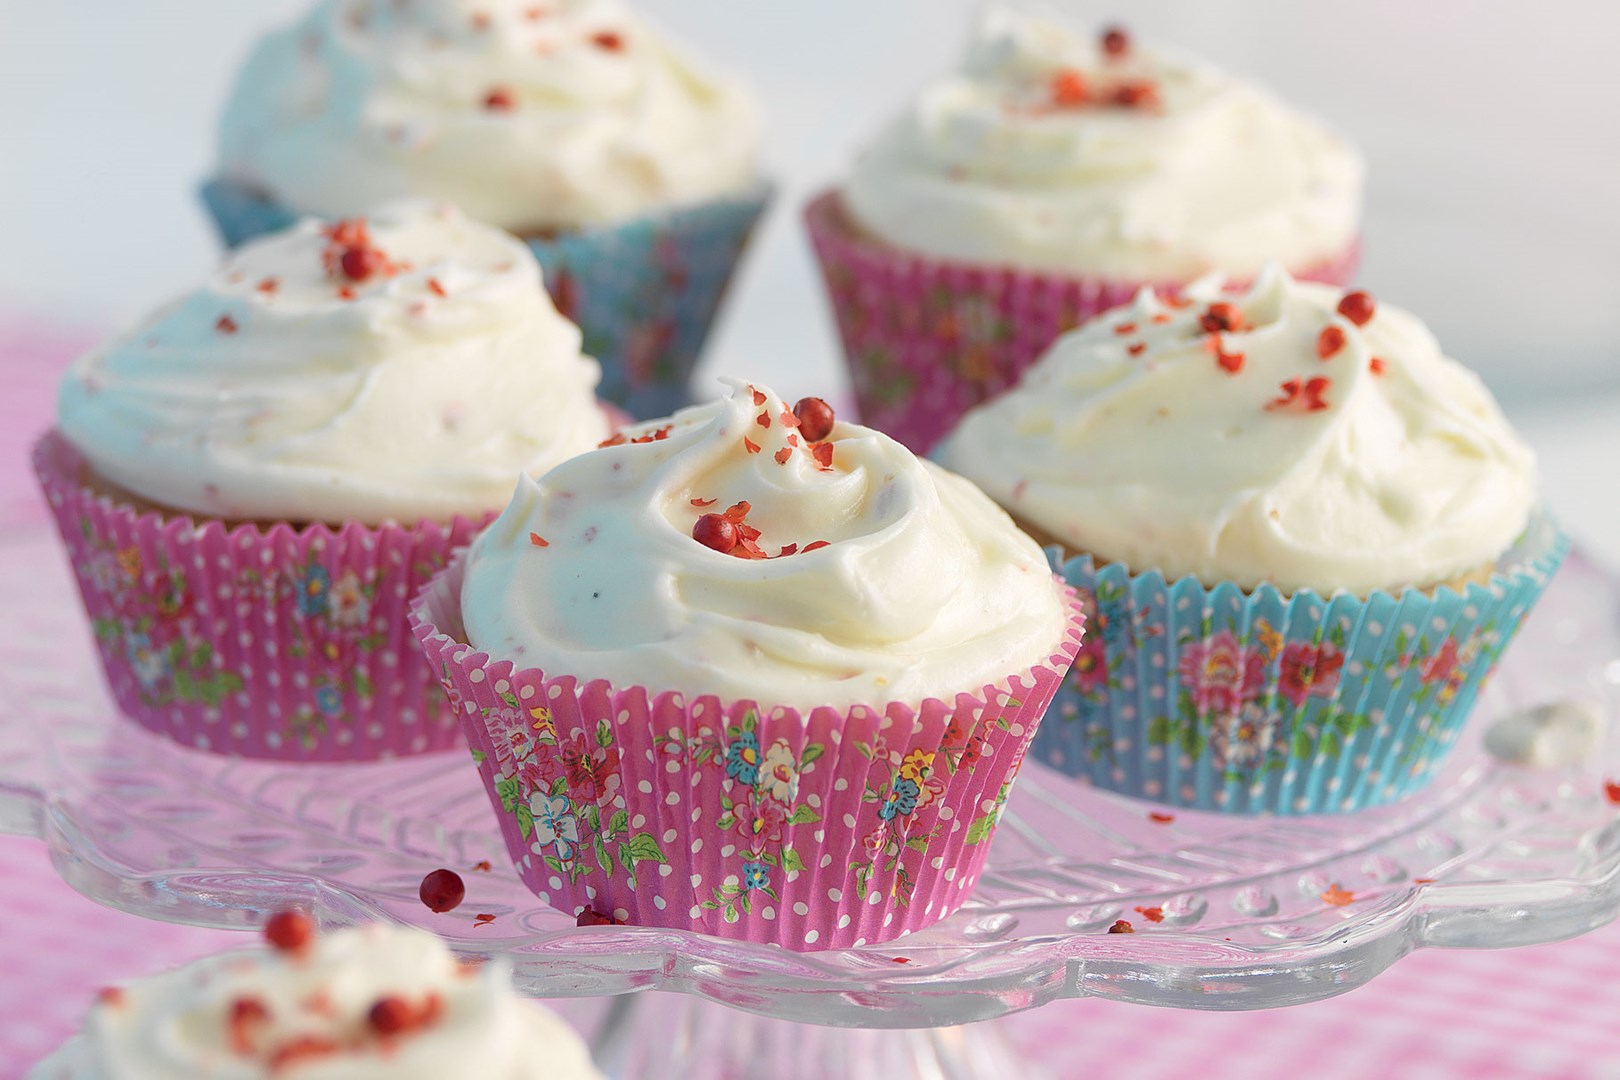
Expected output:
(629, 167)
(253, 481)
(1046, 181)
(374, 1001)
(1306, 534)
(752, 672)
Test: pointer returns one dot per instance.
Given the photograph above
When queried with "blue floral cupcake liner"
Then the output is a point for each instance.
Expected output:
(1261, 702)
(644, 291)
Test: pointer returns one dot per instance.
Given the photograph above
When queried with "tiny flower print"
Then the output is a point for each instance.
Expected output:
(1309, 671)
(917, 766)
(780, 775)
(742, 759)
(901, 800)
(1220, 674)
(1439, 667)
(755, 876)
(349, 604)
(588, 767)
(313, 591)
(554, 825)
(329, 699)
(761, 820)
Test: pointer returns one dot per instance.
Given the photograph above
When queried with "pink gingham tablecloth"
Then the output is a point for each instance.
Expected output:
(1549, 1011)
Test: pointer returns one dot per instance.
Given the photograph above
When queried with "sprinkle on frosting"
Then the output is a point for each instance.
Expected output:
(1337, 896)
(1121, 927)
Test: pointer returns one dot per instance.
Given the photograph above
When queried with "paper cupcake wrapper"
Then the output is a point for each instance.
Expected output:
(927, 339)
(644, 291)
(1217, 699)
(261, 642)
(825, 830)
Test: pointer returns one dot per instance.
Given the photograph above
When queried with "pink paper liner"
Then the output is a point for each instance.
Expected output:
(282, 643)
(927, 339)
(865, 823)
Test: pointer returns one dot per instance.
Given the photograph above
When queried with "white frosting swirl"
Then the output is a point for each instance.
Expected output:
(924, 588)
(529, 115)
(988, 166)
(1130, 440)
(179, 1024)
(267, 394)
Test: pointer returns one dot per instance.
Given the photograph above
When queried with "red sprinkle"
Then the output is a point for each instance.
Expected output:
(901, 959)
(245, 1013)
(359, 263)
(750, 445)
(1125, 328)
(482, 866)
(815, 418)
(289, 931)
(1221, 316)
(499, 100)
(442, 890)
(763, 420)
(345, 293)
(1337, 896)
(704, 502)
(1329, 341)
(1423, 881)
(1612, 790)
(269, 285)
(1136, 348)
(1376, 366)
(483, 918)
(1137, 95)
(1151, 914)
(759, 395)
(1307, 394)
(783, 454)
(434, 287)
(1160, 818)
(1359, 307)
(391, 1015)
(823, 453)
(715, 531)
(111, 996)
(812, 545)
(1121, 927)
(538, 541)
(1069, 88)
(225, 325)
(302, 1048)
(607, 39)
(1115, 41)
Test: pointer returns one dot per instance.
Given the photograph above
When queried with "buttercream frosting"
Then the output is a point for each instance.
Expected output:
(883, 577)
(243, 1016)
(1048, 151)
(1302, 447)
(530, 116)
(284, 389)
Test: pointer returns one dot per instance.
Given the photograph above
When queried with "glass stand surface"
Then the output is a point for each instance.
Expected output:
(1488, 856)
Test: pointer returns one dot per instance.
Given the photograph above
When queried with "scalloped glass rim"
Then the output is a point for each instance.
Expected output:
(1518, 856)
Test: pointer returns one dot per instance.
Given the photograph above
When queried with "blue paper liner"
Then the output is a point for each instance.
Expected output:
(644, 291)
(1221, 699)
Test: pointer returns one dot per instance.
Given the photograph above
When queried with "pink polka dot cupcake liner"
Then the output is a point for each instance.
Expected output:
(255, 641)
(830, 829)
(926, 339)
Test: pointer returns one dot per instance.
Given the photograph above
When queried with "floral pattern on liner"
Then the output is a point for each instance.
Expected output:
(645, 292)
(264, 643)
(1219, 699)
(828, 830)
(926, 340)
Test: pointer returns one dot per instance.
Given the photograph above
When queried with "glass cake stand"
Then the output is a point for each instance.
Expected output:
(1229, 912)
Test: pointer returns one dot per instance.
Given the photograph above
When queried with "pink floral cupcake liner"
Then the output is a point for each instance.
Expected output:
(832, 829)
(926, 340)
(256, 641)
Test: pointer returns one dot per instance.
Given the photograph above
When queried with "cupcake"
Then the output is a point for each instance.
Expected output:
(1045, 182)
(253, 481)
(372, 1001)
(629, 168)
(1304, 533)
(752, 672)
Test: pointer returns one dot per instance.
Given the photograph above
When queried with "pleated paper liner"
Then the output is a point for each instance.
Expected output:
(1218, 699)
(644, 291)
(927, 339)
(255, 641)
(831, 829)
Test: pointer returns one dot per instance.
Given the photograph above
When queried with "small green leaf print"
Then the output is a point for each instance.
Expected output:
(644, 846)
(556, 864)
(1302, 744)
(1332, 745)
(618, 823)
(918, 843)
(525, 820)
(1158, 732)
(1336, 636)
(507, 788)
(604, 734)
(479, 757)
(982, 827)
(627, 862)
(362, 684)
(811, 753)
(803, 815)
(600, 850)
(200, 655)
(791, 861)
(510, 699)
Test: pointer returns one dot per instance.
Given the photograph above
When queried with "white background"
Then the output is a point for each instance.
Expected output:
(1490, 127)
